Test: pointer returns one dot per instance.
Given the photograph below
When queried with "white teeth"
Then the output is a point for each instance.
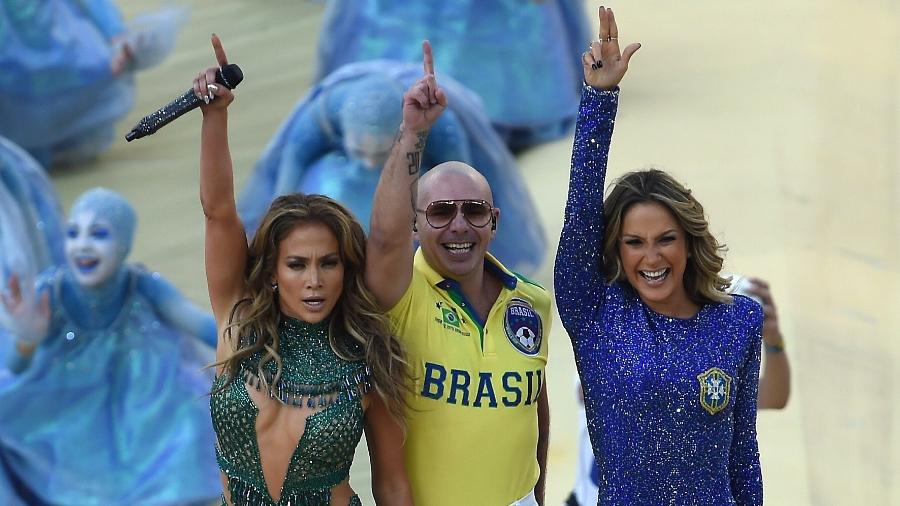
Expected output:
(458, 247)
(655, 275)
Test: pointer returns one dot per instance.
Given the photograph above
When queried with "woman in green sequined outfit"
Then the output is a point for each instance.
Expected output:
(301, 342)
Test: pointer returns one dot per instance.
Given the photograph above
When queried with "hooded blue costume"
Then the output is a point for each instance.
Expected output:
(59, 99)
(110, 407)
(338, 137)
(520, 56)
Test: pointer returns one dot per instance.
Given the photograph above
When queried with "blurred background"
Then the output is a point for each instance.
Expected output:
(784, 118)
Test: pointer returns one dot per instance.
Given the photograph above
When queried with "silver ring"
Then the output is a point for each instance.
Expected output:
(613, 38)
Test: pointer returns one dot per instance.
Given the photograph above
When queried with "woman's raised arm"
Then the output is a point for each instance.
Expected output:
(226, 244)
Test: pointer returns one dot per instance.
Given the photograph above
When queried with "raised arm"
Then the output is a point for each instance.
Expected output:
(389, 248)
(578, 275)
(226, 245)
(775, 381)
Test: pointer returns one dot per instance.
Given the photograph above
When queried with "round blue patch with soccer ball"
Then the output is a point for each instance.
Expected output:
(524, 328)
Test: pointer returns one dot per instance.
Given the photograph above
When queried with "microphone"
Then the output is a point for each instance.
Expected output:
(229, 76)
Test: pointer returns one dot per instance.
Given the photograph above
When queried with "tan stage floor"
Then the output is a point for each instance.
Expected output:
(785, 120)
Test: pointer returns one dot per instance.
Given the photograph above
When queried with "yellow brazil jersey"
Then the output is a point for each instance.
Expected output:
(473, 426)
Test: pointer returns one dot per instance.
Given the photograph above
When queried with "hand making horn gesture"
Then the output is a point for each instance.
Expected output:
(604, 65)
(205, 86)
(424, 101)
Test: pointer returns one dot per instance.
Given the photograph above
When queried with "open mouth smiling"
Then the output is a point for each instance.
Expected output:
(657, 277)
(86, 263)
(458, 248)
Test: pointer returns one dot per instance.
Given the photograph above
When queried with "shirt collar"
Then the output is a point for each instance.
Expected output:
(491, 264)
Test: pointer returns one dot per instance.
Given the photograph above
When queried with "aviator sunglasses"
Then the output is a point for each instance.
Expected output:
(440, 213)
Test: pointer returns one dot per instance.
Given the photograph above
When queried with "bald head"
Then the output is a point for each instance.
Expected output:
(453, 181)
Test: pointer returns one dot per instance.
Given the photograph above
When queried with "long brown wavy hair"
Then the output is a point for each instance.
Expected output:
(702, 281)
(358, 330)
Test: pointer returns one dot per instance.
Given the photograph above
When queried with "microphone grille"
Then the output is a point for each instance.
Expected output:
(231, 75)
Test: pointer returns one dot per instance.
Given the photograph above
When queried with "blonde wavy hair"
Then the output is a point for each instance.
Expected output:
(702, 281)
(358, 329)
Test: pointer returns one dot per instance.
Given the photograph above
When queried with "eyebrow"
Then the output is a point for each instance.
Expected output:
(669, 231)
(306, 259)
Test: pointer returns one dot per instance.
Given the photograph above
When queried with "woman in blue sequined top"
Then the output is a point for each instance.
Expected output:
(669, 363)
(301, 342)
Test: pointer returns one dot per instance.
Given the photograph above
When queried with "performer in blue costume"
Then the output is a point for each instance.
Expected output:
(30, 228)
(338, 137)
(668, 361)
(528, 82)
(68, 72)
(107, 403)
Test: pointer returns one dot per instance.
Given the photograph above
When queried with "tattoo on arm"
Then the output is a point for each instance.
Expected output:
(415, 160)
(415, 157)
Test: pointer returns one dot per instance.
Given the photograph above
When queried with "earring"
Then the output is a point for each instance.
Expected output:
(274, 286)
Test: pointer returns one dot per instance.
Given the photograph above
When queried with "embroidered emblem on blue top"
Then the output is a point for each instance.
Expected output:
(715, 390)
(524, 328)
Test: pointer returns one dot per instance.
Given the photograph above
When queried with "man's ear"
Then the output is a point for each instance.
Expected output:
(495, 218)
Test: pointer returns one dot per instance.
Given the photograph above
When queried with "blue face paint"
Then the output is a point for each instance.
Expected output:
(113, 209)
(99, 235)
(369, 119)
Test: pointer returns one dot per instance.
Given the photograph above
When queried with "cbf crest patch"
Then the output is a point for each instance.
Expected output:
(715, 390)
(524, 328)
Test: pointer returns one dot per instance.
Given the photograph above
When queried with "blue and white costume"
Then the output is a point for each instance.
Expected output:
(339, 136)
(517, 55)
(671, 403)
(58, 97)
(110, 409)
(30, 224)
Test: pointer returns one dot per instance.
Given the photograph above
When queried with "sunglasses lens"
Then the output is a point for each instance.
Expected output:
(477, 213)
(440, 214)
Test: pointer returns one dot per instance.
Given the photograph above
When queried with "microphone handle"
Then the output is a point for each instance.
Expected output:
(185, 103)
(150, 124)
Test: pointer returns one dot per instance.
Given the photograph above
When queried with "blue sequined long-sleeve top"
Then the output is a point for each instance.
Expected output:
(671, 403)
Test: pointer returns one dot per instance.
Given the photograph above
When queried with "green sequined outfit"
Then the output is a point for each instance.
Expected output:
(313, 375)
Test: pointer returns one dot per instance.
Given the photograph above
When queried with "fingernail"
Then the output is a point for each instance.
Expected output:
(206, 99)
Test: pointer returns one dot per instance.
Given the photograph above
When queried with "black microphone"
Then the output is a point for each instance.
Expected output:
(229, 76)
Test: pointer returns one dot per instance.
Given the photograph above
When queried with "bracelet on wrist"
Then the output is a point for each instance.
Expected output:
(775, 348)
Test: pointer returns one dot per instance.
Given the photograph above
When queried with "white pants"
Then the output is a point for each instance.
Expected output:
(528, 500)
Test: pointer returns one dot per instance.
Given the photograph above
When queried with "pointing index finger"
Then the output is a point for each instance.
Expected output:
(427, 58)
(220, 52)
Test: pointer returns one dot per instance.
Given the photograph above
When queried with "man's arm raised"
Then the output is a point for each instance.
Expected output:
(389, 254)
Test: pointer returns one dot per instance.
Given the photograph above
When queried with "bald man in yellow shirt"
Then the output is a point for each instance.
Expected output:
(474, 332)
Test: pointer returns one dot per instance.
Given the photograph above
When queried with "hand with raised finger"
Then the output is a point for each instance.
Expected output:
(771, 333)
(604, 64)
(216, 97)
(424, 101)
